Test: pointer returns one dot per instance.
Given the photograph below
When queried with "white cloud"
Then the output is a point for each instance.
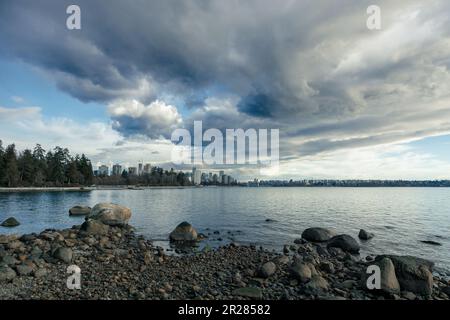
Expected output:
(11, 114)
(18, 99)
(131, 117)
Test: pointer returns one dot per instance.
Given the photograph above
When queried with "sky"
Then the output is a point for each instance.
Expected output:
(349, 102)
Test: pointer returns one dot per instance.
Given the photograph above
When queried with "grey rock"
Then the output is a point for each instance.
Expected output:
(434, 243)
(80, 211)
(183, 232)
(414, 274)
(344, 242)
(40, 273)
(6, 274)
(15, 244)
(301, 272)
(248, 292)
(327, 266)
(95, 227)
(364, 235)
(110, 214)
(8, 260)
(10, 222)
(64, 254)
(317, 283)
(409, 295)
(388, 279)
(24, 270)
(267, 269)
(317, 234)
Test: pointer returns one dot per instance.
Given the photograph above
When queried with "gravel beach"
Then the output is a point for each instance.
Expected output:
(115, 263)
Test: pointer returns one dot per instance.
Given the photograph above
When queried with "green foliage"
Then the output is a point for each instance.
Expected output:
(40, 168)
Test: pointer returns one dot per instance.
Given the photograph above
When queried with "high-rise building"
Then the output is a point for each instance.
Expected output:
(140, 168)
(132, 171)
(117, 170)
(147, 168)
(196, 176)
(103, 170)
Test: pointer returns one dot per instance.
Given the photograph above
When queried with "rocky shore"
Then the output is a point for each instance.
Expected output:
(115, 263)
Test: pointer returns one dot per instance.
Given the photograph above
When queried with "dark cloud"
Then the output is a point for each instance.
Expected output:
(309, 68)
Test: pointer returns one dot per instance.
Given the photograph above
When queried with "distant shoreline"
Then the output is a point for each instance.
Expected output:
(87, 189)
(124, 187)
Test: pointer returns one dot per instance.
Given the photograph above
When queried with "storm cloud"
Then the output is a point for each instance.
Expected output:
(310, 68)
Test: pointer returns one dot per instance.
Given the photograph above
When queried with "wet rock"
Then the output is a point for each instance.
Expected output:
(10, 222)
(364, 235)
(80, 211)
(267, 269)
(183, 232)
(414, 274)
(248, 292)
(434, 243)
(64, 254)
(110, 214)
(317, 234)
(344, 242)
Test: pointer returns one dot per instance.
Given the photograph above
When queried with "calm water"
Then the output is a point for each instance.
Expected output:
(400, 217)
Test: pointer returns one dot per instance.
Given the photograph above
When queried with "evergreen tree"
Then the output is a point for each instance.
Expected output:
(12, 171)
(40, 166)
(2, 165)
(26, 168)
(85, 168)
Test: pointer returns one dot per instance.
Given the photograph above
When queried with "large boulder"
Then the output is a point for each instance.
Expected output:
(388, 279)
(414, 274)
(110, 214)
(10, 222)
(317, 234)
(183, 232)
(80, 211)
(344, 242)
(94, 227)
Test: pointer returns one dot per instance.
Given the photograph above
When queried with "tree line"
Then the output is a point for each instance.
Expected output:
(156, 177)
(40, 168)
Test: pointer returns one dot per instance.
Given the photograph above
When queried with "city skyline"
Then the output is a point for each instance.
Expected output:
(349, 102)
